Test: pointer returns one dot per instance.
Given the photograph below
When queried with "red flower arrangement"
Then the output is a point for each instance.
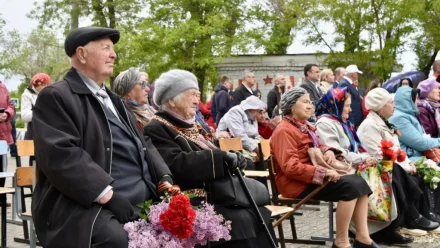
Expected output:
(388, 154)
(179, 217)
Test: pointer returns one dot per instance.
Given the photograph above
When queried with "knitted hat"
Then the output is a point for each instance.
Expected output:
(289, 98)
(427, 86)
(376, 99)
(172, 83)
(82, 36)
(40, 79)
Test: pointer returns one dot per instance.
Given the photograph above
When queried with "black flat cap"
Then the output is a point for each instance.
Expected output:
(82, 36)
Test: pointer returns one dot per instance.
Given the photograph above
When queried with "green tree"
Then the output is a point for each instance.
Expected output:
(368, 33)
(27, 55)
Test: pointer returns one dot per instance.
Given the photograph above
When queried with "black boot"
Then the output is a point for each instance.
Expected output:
(394, 238)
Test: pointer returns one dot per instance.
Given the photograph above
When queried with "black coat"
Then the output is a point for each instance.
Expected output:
(193, 168)
(73, 147)
(222, 102)
(356, 116)
(240, 94)
(273, 99)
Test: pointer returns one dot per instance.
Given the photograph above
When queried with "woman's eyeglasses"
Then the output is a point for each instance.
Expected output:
(144, 84)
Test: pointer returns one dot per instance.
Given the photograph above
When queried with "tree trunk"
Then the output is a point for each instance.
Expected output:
(111, 13)
(99, 13)
(427, 68)
(74, 14)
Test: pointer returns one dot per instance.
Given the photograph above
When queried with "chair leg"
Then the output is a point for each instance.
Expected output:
(3, 207)
(281, 234)
(23, 207)
(33, 236)
(293, 227)
(330, 220)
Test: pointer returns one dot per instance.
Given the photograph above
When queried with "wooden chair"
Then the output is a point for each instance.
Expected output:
(24, 178)
(278, 199)
(25, 148)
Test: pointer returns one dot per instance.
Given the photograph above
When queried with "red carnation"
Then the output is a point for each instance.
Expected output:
(401, 156)
(386, 178)
(386, 144)
(179, 217)
(389, 155)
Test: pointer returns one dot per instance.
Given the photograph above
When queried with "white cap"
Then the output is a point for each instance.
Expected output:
(352, 69)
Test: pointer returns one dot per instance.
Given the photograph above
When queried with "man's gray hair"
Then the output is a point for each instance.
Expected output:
(126, 81)
(246, 73)
(338, 71)
(277, 76)
(290, 97)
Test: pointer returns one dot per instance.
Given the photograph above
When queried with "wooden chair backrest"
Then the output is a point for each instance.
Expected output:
(265, 148)
(24, 176)
(273, 184)
(233, 144)
(25, 148)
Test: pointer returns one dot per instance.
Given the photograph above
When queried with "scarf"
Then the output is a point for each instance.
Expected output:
(192, 134)
(304, 127)
(143, 113)
(331, 106)
(432, 107)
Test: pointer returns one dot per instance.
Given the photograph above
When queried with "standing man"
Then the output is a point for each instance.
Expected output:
(221, 99)
(351, 82)
(245, 89)
(339, 75)
(436, 68)
(274, 95)
(311, 82)
(94, 165)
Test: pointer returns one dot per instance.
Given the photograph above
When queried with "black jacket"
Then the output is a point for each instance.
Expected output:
(73, 147)
(222, 102)
(315, 93)
(240, 94)
(273, 99)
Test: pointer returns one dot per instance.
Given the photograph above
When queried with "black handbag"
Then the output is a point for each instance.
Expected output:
(227, 191)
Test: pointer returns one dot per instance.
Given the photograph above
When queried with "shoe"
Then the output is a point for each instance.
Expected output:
(433, 217)
(423, 224)
(358, 244)
(435, 231)
(413, 232)
(396, 238)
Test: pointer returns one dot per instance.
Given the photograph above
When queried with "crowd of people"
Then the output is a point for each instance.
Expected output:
(103, 151)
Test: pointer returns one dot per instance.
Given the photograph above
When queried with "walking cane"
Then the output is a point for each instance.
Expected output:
(255, 207)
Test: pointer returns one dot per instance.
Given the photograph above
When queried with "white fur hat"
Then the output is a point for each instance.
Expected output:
(377, 98)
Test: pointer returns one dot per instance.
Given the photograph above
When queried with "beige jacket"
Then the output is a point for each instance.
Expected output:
(372, 130)
(331, 133)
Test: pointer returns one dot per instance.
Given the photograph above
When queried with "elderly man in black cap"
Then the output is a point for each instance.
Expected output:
(94, 166)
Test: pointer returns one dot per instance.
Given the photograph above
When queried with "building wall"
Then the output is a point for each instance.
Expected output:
(265, 67)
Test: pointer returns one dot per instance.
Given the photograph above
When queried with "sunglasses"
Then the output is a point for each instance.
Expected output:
(144, 84)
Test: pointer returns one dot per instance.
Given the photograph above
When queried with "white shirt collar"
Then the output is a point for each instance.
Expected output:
(249, 89)
(92, 85)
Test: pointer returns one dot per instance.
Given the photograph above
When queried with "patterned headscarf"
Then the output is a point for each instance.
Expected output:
(331, 106)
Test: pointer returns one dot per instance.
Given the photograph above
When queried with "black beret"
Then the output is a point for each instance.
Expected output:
(82, 36)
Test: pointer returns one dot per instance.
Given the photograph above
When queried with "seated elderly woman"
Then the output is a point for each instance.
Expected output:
(296, 176)
(242, 121)
(376, 127)
(195, 161)
(335, 130)
(132, 86)
(413, 139)
(429, 106)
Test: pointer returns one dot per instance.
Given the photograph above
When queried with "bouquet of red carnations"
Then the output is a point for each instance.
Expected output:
(174, 223)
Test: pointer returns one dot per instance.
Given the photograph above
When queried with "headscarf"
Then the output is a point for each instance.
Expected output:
(331, 106)
(290, 97)
(126, 81)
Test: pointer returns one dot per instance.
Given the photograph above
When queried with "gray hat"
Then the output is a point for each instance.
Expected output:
(290, 97)
(82, 36)
(126, 81)
(172, 83)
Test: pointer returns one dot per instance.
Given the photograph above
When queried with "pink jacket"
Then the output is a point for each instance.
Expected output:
(5, 126)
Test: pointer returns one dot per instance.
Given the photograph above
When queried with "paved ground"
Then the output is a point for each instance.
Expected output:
(311, 223)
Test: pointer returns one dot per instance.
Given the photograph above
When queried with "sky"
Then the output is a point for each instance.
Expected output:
(14, 13)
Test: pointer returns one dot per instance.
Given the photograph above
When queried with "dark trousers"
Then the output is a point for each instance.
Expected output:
(13, 147)
(108, 232)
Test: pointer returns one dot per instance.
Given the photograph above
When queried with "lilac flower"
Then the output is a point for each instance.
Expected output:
(208, 226)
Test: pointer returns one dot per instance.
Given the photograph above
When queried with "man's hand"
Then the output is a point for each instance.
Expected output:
(371, 161)
(329, 157)
(119, 206)
(274, 122)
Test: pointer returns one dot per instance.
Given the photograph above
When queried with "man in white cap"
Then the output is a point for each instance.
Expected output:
(351, 82)
(94, 164)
